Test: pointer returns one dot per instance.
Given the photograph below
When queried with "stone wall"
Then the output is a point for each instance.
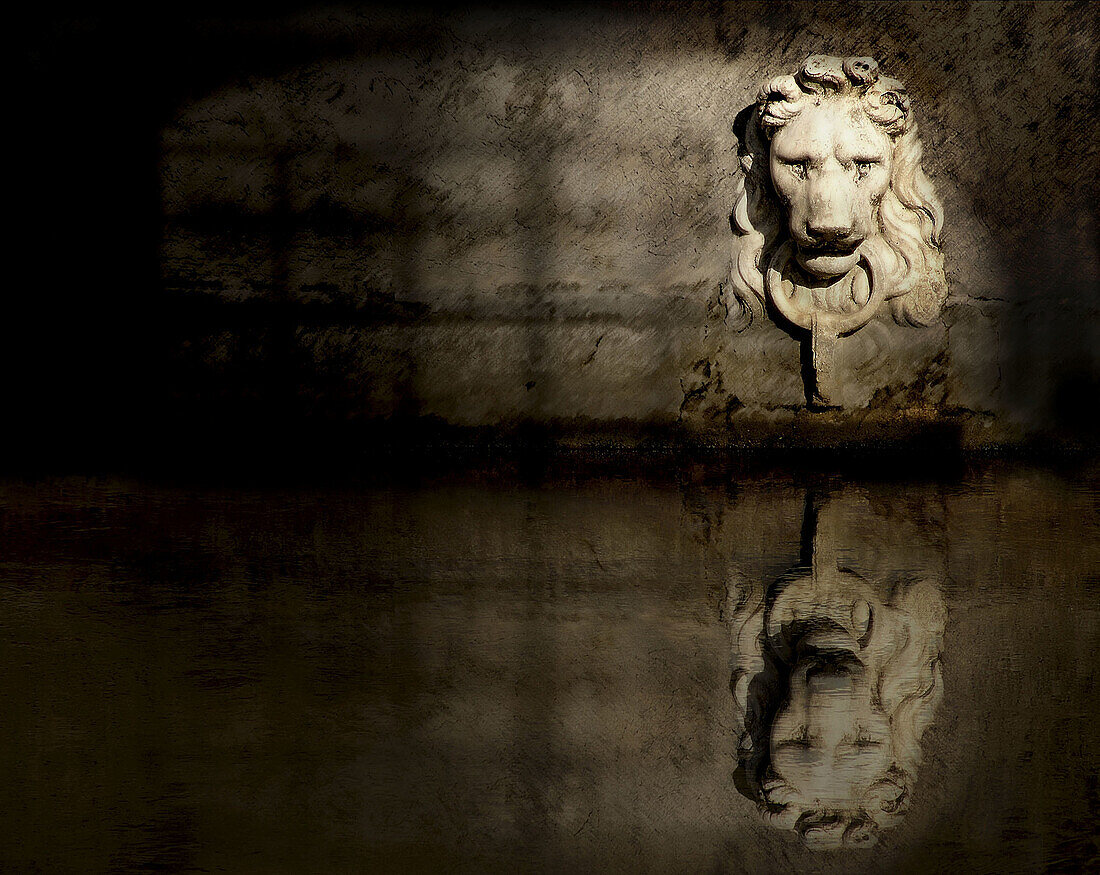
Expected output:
(490, 217)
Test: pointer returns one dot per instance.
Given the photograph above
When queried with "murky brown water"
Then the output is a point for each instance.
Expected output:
(488, 677)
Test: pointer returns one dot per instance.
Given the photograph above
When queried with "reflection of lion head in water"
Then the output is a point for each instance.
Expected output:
(835, 681)
(833, 180)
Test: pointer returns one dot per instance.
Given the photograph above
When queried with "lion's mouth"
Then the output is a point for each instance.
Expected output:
(829, 250)
(828, 260)
(825, 638)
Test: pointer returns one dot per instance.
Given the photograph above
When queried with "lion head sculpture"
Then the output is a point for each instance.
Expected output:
(834, 214)
(835, 680)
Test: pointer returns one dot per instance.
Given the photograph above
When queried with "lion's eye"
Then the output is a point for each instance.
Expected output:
(798, 739)
(863, 168)
(798, 168)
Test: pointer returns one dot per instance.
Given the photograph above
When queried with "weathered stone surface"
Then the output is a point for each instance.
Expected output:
(837, 225)
(542, 169)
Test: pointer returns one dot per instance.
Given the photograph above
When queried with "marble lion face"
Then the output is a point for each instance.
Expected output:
(831, 741)
(836, 678)
(831, 166)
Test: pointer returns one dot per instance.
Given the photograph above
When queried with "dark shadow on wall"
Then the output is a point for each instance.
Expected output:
(534, 220)
(287, 352)
(283, 367)
(106, 354)
(1051, 334)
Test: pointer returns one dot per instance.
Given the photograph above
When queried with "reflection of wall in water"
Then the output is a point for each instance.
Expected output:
(836, 668)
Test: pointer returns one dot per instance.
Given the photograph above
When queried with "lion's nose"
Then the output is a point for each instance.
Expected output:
(828, 232)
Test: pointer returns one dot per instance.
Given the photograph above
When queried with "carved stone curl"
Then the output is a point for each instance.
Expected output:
(835, 217)
(836, 677)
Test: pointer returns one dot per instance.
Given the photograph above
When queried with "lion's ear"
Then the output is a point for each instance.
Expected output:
(781, 87)
(778, 101)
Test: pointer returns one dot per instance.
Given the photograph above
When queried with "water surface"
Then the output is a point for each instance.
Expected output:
(476, 675)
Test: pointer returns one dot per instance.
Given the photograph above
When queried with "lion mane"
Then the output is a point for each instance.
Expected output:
(907, 642)
(910, 214)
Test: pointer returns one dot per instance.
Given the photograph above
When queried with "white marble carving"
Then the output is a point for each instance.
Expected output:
(835, 217)
(836, 677)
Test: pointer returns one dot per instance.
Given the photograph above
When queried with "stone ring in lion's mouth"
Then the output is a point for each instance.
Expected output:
(867, 295)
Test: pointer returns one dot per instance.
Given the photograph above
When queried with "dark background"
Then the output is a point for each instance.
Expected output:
(87, 327)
